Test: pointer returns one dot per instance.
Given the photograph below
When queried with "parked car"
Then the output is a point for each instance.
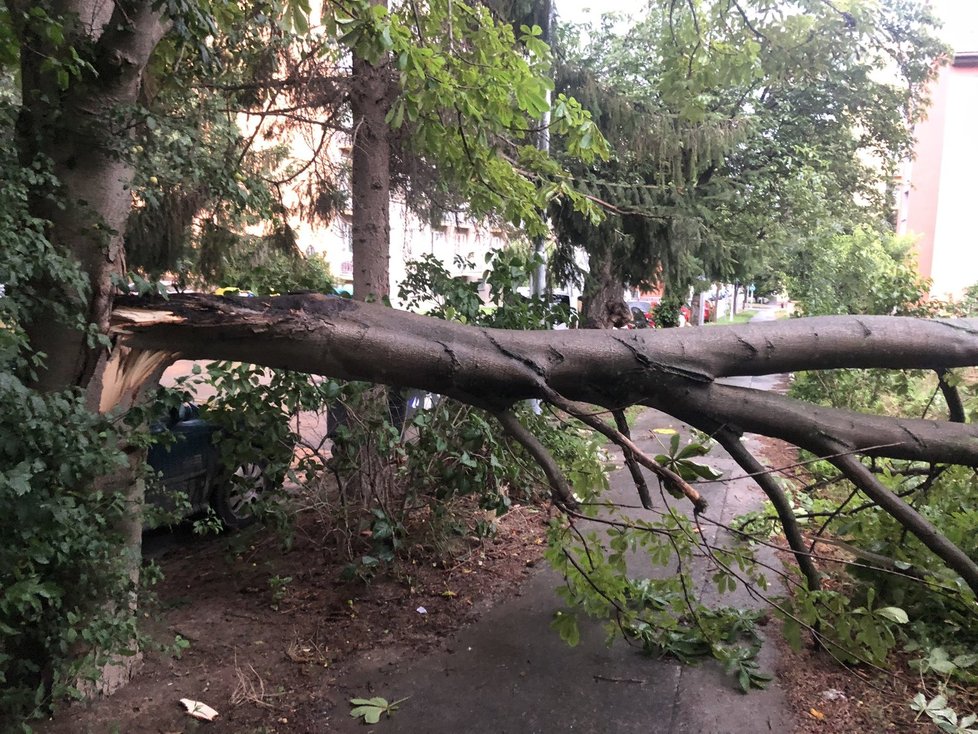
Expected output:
(641, 314)
(191, 464)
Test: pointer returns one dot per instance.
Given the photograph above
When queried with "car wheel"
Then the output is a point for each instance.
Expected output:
(235, 498)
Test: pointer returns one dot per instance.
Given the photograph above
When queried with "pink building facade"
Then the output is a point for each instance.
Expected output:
(938, 196)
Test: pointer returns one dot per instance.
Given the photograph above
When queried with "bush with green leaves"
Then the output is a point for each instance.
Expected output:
(262, 265)
(451, 451)
(60, 543)
(864, 272)
(60, 532)
(667, 312)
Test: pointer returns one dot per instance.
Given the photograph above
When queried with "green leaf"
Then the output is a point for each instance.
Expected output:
(792, 633)
(702, 471)
(965, 661)
(743, 680)
(894, 614)
(566, 626)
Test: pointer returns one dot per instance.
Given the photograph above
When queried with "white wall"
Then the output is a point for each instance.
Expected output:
(955, 263)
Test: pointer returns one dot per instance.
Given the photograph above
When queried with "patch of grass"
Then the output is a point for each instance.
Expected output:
(742, 317)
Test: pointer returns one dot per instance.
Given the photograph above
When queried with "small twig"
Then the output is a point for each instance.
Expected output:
(614, 679)
(797, 464)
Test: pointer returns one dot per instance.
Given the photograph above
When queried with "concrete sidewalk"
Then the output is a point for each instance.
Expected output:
(509, 673)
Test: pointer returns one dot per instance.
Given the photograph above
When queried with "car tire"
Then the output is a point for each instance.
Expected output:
(235, 496)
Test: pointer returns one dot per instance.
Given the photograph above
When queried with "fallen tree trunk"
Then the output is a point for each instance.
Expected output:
(674, 370)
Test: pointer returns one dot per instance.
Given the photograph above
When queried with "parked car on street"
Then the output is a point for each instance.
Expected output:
(191, 464)
(641, 314)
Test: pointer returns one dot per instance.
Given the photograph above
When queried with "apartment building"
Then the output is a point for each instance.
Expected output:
(936, 197)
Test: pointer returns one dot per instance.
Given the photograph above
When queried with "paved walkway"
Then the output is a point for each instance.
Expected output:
(509, 673)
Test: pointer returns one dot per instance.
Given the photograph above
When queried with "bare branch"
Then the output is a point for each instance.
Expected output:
(955, 407)
(631, 462)
(733, 446)
(907, 516)
(560, 489)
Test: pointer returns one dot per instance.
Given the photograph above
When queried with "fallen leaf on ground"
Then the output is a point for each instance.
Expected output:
(199, 710)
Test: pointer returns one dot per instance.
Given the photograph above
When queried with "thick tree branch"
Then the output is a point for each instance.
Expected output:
(955, 407)
(670, 369)
(807, 425)
(673, 370)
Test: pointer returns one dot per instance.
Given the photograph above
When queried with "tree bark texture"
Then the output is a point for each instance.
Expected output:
(80, 127)
(370, 101)
(82, 132)
(667, 368)
(605, 308)
(677, 371)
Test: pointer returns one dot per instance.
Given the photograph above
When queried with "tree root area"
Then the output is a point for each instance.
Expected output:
(266, 653)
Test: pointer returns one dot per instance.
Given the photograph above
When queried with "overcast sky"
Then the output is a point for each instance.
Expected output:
(960, 23)
(580, 11)
(960, 16)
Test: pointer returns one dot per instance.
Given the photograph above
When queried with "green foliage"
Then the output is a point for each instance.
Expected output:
(915, 600)
(252, 264)
(681, 459)
(28, 257)
(471, 88)
(428, 286)
(666, 313)
(937, 708)
(739, 137)
(253, 409)
(854, 634)
(279, 586)
(61, 549)
(860, 273)
(942, 715)
(869, 391)
(61, 546)
(663, 613)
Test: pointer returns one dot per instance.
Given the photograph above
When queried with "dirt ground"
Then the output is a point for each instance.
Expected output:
(832, 699)
(270, 631)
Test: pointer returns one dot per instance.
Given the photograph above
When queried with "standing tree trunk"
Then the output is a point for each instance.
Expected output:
(370, 101)
(76, 126)
(605, 308)
(77, 123)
